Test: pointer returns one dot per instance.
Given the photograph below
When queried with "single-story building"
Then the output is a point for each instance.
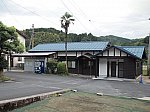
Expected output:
(98, 59)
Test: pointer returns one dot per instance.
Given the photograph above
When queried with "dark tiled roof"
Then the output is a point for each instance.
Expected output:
(21, 33)
(72, 46)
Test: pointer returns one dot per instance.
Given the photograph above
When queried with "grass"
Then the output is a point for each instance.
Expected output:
(4, 78)
(144, 71)
(86, 102)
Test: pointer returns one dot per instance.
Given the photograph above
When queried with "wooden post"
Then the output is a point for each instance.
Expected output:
(90, 69)
(78, 67)
(96, 69)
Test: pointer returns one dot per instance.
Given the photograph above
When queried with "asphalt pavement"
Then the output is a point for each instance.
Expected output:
(26, 84)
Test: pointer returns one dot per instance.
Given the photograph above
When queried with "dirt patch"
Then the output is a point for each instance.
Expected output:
(85, 102)
(146, 79)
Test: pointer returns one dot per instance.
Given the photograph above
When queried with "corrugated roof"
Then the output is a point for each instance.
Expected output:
(72, 46)
(135, 50)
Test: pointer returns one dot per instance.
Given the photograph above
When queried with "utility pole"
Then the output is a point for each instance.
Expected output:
(148, 70)
(31, 44)
(32, 36)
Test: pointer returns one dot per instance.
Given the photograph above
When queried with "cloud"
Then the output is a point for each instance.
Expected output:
(126, 18)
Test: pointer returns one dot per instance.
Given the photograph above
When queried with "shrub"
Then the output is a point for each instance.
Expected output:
(61, 68)
(51, 66)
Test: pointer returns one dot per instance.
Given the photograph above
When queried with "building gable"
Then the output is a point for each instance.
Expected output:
(21, 34)
(112, 51)
(137, 52)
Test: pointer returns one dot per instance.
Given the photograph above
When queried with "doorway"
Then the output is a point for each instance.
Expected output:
(120, 69)
(113, 69)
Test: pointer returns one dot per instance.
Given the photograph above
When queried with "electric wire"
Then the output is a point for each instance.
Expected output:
(33, 12)
(10, 12)
(74, 4)
(74, 15)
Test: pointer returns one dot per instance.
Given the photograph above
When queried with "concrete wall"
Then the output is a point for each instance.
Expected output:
(29, 63)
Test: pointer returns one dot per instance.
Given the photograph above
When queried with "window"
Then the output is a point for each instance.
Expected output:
(71, 64)
(19, 58)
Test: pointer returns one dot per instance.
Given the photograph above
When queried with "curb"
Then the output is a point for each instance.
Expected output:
(8, 105)
(128, 97)
(119, 80)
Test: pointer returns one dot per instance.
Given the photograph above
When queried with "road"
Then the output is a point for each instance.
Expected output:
(26, 84)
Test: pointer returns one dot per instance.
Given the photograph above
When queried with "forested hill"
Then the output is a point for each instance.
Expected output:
(51, 35)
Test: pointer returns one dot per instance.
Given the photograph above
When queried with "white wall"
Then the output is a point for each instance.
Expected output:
(68, 54)
(123, 54)
(78, 54)
(102, 67)
(111, 52)
(21, 39)
(15, 59)
(117, 52)
(105, 54)
(87, 52)
(73, 53)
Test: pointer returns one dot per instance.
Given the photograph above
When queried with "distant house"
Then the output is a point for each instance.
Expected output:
(98, 59)
(18, 61)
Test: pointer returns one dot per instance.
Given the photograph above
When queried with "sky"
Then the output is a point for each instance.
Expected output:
(124, 18)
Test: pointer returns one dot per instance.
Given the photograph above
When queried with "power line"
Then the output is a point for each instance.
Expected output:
(74, 15)
(78, 8)
(74, 4)
(10, 12)
(82, 13)
(35, 13)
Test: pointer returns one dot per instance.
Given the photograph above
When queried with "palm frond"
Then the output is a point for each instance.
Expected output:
(72, 19)
(66, 19)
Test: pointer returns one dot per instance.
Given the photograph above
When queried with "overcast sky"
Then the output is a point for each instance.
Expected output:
(125, 18)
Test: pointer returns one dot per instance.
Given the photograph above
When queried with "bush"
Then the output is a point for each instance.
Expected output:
(51, 66)
(61, 68)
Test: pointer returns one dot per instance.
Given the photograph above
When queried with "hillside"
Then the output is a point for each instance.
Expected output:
(115, 40)
(51, 35)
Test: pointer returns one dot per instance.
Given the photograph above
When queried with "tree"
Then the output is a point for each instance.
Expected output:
(8, 43)
(66, 20)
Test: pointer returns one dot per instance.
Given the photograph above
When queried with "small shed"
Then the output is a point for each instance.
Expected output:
(34, 60)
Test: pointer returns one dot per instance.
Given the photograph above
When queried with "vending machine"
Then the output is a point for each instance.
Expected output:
(39, 67)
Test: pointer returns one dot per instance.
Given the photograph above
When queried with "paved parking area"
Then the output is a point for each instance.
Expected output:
(26, 84)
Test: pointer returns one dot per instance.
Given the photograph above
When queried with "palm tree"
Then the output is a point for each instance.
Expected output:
(66, 20)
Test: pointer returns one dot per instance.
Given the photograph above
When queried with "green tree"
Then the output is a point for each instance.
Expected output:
(66, 20)
(8, 43)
